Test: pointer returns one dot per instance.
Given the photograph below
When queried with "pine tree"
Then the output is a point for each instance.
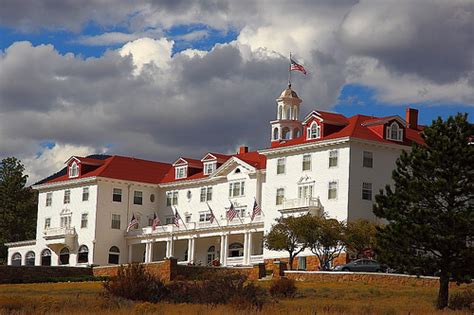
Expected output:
(17, 205)
(430, 210)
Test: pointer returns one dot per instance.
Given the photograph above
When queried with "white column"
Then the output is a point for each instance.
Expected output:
(226, 248)
(190, 249)
(151, 252)
(250, 248)
(167, 248)
(222, 251)
(171, 247)
(130, 254)
(246, 250)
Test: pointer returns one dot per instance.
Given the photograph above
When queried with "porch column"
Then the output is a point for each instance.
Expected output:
(130, 254)
(226, 248)
(167, 248)
(222, 254)
(150, 251)
(250, 239)
(171, 247)
(191, 249)
(246, 249)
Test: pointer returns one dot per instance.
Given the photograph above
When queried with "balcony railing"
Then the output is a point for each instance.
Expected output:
(301, 202)
(59, 232)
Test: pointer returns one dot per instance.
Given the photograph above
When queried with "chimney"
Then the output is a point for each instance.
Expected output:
(243, 149)
(412, 118)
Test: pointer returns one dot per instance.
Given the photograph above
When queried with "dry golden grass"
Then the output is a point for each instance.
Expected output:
(312, 298)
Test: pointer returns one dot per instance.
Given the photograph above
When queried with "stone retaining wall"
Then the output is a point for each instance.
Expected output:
(28, 274)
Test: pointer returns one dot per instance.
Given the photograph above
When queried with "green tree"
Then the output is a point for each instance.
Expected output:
(430, 210)
(325, 238)
(17, 205)
(360, 235)
(286, 235)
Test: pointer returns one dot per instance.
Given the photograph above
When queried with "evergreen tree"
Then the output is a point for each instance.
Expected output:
(430, 210)
(17, 205)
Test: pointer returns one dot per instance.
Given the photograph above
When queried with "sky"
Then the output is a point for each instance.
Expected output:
(168, 78)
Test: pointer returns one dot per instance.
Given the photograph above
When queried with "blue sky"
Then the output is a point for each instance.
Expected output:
(124, 78)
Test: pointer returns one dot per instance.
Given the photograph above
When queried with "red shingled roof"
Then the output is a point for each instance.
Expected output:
(125, 168)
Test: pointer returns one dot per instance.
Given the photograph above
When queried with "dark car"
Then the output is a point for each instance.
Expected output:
(362, 265)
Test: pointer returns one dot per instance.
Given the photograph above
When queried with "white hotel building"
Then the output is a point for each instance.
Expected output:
(325, 162)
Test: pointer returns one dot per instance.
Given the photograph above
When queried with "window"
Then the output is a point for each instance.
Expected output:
(115, 221)
(236, 250)
(114, 254)
(117, 195)
(83, 255)
(171, 198)
(137, 198)
(169, 220)
(206, 194)
(30, 259)
(367, 191)
(314, 131)
(65, 221)
(394, 132)
(209, 167)
(280, 196)
(49, 199)
(84, 220)
(16, 259)
(301, 263)
(281, 166)
(152, 198)
(236, 189)
(205, 217)
(305, 191)
(85, 193)
(211, 254)
(307, 162)
(187, 218)
(332, 190)
(64, 256)
(368, 159)
(67, 196)
(46, 257)
(275, 134)
(333, 158)
(74, 170)
(47, 223)
(181, 172)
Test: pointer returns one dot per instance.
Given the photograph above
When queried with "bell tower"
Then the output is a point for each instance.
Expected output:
(287, 125)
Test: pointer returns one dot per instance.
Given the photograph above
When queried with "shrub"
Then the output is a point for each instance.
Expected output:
(283, 287)
(462, 300)
(135, 283)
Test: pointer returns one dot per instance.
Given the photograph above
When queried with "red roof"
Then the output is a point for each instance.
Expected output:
(355, 129)
(125, 168)
(333, 117)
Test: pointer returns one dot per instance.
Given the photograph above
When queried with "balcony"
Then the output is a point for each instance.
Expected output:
(310, 205)
(60, 236)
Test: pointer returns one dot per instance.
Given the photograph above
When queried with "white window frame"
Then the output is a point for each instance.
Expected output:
(395, 128)
(368, 156)
(171, 198)
(73, 170)
(84, 220)
(181, 172)
(305, 191)
(333, 185)
(115, 192)
(333, 156)
(67, 196)
(367, 191)
(209, 167)
(236, 189)
(281, 166)
(308, 161)
(65, 221)
(47, 223)
(313, 131)
(169, 220)
(138, 197)
(280, 198)
(115, 218)
(206, 194)
(85, 193)
(49, 199)
(205, 216)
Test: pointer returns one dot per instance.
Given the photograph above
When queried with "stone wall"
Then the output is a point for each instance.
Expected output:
(28, 274)
(312, 262)
(331, 276)
(165, 270)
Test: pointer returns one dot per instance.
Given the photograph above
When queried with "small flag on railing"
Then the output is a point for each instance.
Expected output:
(256, 210)
(231, 213)
(133, 223)
(156, 221)
(176, 218)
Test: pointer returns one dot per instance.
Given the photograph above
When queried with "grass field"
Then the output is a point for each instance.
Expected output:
(312, 298)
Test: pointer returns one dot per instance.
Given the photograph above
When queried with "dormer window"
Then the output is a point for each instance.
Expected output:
(181, 172)
(394, 132)
(73, 170)
(209, 167)
(314, 131)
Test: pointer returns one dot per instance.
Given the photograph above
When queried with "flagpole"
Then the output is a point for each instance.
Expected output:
(289, 72)
(212, 212)
(261, 210)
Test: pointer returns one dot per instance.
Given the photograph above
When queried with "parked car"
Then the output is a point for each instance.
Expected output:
(362, 265)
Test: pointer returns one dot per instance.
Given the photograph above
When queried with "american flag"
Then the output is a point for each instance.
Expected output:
(176, 218)
(213, 217)
(256, 209)
(231, 213)
(294, 66)
(156, 222)
(133, 223)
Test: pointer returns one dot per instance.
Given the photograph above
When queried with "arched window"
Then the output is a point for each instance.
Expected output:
(64, 256)
(296, 133)
(295, 113)
(280, 112)
(314, 131)
(236, 250)
(16, 259)
(285, 133)
(46, 257)
(74, 170)
(114, 254)
(394, 132)
(30, 259)
(288, 113)
(211, 254)
(275, 134)
(83, 255)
